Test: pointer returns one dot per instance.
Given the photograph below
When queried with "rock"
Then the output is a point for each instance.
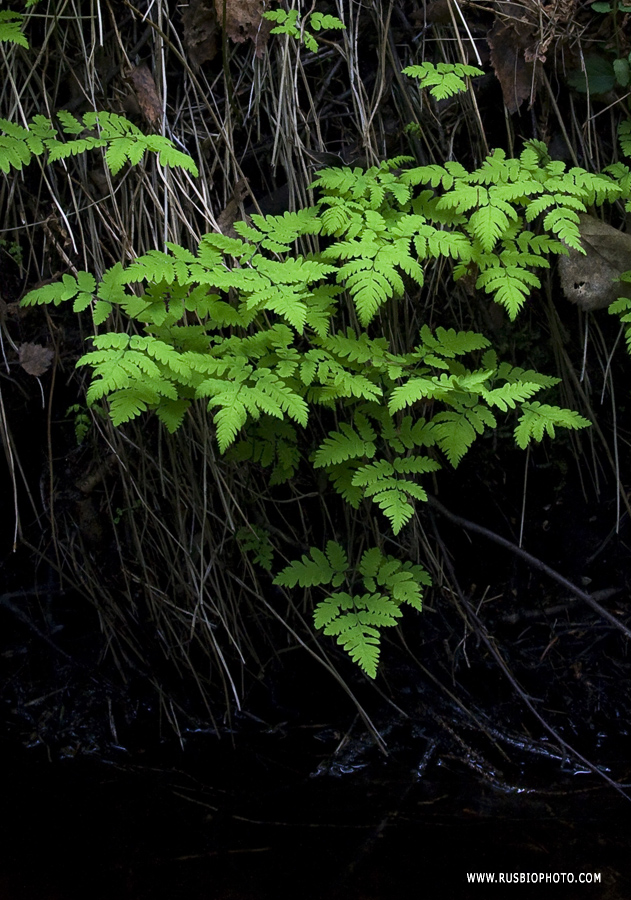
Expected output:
(590, 280)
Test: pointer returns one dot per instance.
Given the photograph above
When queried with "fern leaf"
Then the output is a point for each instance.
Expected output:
(255, 540)
(488, 224)
(538, 419)
(451, 343)
(171, 412)
(373, 473)
(416, 465)
(394, 504)
(11, 28)
(58, 292)
(405, 588)
(511, 285)
(454, 434)
(285, 400)
(338, 559)
(126, 405)
(370, 562)
(564, 223)
(509, 395)
(342, 445)
(307, 572)
(341, 477)
(443, 80)
(229, 420)
(355, 622)
(319, 22)
(413, 390)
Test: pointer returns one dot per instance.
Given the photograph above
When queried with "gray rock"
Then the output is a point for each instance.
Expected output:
(590, 280)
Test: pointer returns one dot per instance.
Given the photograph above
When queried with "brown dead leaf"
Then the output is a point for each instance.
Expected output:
(511, 41)
(228, 217)
(201, 30)
(146, 92)
(243, 20)
(34, 358)
(590, 280)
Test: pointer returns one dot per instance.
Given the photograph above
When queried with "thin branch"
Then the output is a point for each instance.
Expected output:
(532, 561)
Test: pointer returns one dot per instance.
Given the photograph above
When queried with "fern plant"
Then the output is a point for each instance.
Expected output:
(11, 28)
(481, 219)
(267, 336)
(290, 22)
(122, 141)
(356, 620)
(442, 80)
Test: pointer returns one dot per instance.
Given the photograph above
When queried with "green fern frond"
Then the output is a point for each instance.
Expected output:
(509, 395)
(450, 343)
(230, 419)
(309, 571)
(392, 498)
(454, 434)
(443, 80)
(272, 443)
(510, 285)
(622, 308)
(411, 392)
(341, 477)
(391, 493)
(564, 223)
(538, 419)
(624, 136)
(11, 28)
(122, 141)
(320, 22)
(284, 399)
(254, 540)
(488, 224)
(171, 412)
(355, 620)
(342, 445)
(79, 288)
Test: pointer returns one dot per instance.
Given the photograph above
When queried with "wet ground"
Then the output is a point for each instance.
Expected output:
(280, 815)
(293, 796)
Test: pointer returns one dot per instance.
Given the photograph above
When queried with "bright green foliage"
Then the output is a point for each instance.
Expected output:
(364, 460)
(121, 140)
(268, 338)
(387, 231)
(443, 80)
(289, 22)
(356, 619)
(622, 308)
(538, 419)
(11, 28)
(624, 137)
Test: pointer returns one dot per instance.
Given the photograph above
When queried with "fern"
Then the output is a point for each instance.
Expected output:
(288, 22)
(254, 540)
(381, 482)
(624, 137)
(622, 308)
(321, 568)
(443, 80)
(539, 419)
(121, 140)
(356, 622)
(354, 619)
(11, 28)
(261, 335)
